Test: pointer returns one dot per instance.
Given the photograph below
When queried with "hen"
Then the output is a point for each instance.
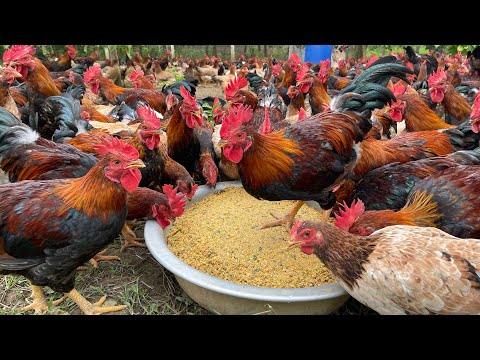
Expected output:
(399, 269)
(51, 227)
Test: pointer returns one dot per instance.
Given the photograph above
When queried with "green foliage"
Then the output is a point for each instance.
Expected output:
(208, 112)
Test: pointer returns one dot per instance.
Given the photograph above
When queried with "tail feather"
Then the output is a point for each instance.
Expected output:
(466, 157)
(462, 137)
(421, 209)
(16, 135)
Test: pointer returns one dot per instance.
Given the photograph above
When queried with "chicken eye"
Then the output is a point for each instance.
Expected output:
(239, 135)
(116, 162)
(307, 233)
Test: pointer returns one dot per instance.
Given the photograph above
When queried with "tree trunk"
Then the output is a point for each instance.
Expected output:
(290, 50)
(172, 49)
(265, 52)
(206, 49)
(232, 52)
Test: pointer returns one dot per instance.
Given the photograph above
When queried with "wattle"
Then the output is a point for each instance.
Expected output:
(476, 127)
(130, 179)
(307, 250)
(396, 115)
(233, 153)
(437, 96)
(152, 142)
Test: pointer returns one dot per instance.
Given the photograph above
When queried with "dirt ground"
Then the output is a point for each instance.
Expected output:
(137, 280)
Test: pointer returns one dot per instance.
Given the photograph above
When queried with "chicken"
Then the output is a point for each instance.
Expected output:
(161, 74)
(318, 97)
(445, 199)
(140, 81)
(223, 80)
(115, 95)
(388, 187)
(297, 102)
(457, 108)
(38, 83)
(416, 114)
(64, 62)
(7, 77)
(60, 224)
(235, 93)
(290, 68)
(417, 61)
(398, 269)
(306, 160)
(113, 72)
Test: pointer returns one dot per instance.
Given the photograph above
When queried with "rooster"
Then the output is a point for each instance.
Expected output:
(398, 269)
(457, 108)
(60, 224)
(64, 62)
(306, 160)
(417, 60)
(312, 85)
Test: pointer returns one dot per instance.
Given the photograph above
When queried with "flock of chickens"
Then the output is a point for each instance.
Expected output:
(390, 144)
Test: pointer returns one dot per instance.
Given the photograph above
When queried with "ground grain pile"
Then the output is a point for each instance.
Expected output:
(220, 236)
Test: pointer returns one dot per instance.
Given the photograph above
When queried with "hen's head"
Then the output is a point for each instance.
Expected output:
(174, 208)
(294, 62)
(276, 69)
(306, 83)
(306, 236)
(397, 108)
(209, 169)
(234, 138)
(324, 71)
(71, 51)
(341, 64)
(302, 71)
(9, 74)
(189, 109)
(475, 115)
(293, 92)
(218, 111)
(171, 100)
(134, 76)
(347, 217)
(437, 84)
(92, 78)
(120, 162)
(20, 57)
(149, 131)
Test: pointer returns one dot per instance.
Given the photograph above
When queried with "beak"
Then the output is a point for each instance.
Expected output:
(158, 132)
(222, 143)
(135, 164)
(292, 243)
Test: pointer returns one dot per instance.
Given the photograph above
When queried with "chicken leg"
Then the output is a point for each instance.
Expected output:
(286, 220)
(130, 238)
(39, 304)
(100, 257)
(92, 309)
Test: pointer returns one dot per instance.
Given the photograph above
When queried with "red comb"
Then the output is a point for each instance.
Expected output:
(186, 95)
(91, 72)
(234, 120)
(147, 114)
(302, 72)
(116, 147)
(347, 217)
(17, 51)
(437, 79)
(373, 58)
(301, 114)
(233, 86)
(276, 69)
(398, 89)
(266, 127)
(176, 201)
(135, 75)
(294, 58)
(475, 109)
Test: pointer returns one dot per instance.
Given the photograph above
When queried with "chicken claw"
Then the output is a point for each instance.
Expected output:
(92, 309)
(39, 304)
(100, 257)
(130, 238)
(286, 220)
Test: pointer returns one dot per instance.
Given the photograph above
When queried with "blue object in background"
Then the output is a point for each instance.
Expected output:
(317, 53)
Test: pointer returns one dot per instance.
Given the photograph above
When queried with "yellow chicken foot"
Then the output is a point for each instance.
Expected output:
(92, 309)
(286, 220)
(130, 238)
(39, 304)
(100, 257)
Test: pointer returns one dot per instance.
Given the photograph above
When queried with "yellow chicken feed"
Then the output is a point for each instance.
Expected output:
(220, 236)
